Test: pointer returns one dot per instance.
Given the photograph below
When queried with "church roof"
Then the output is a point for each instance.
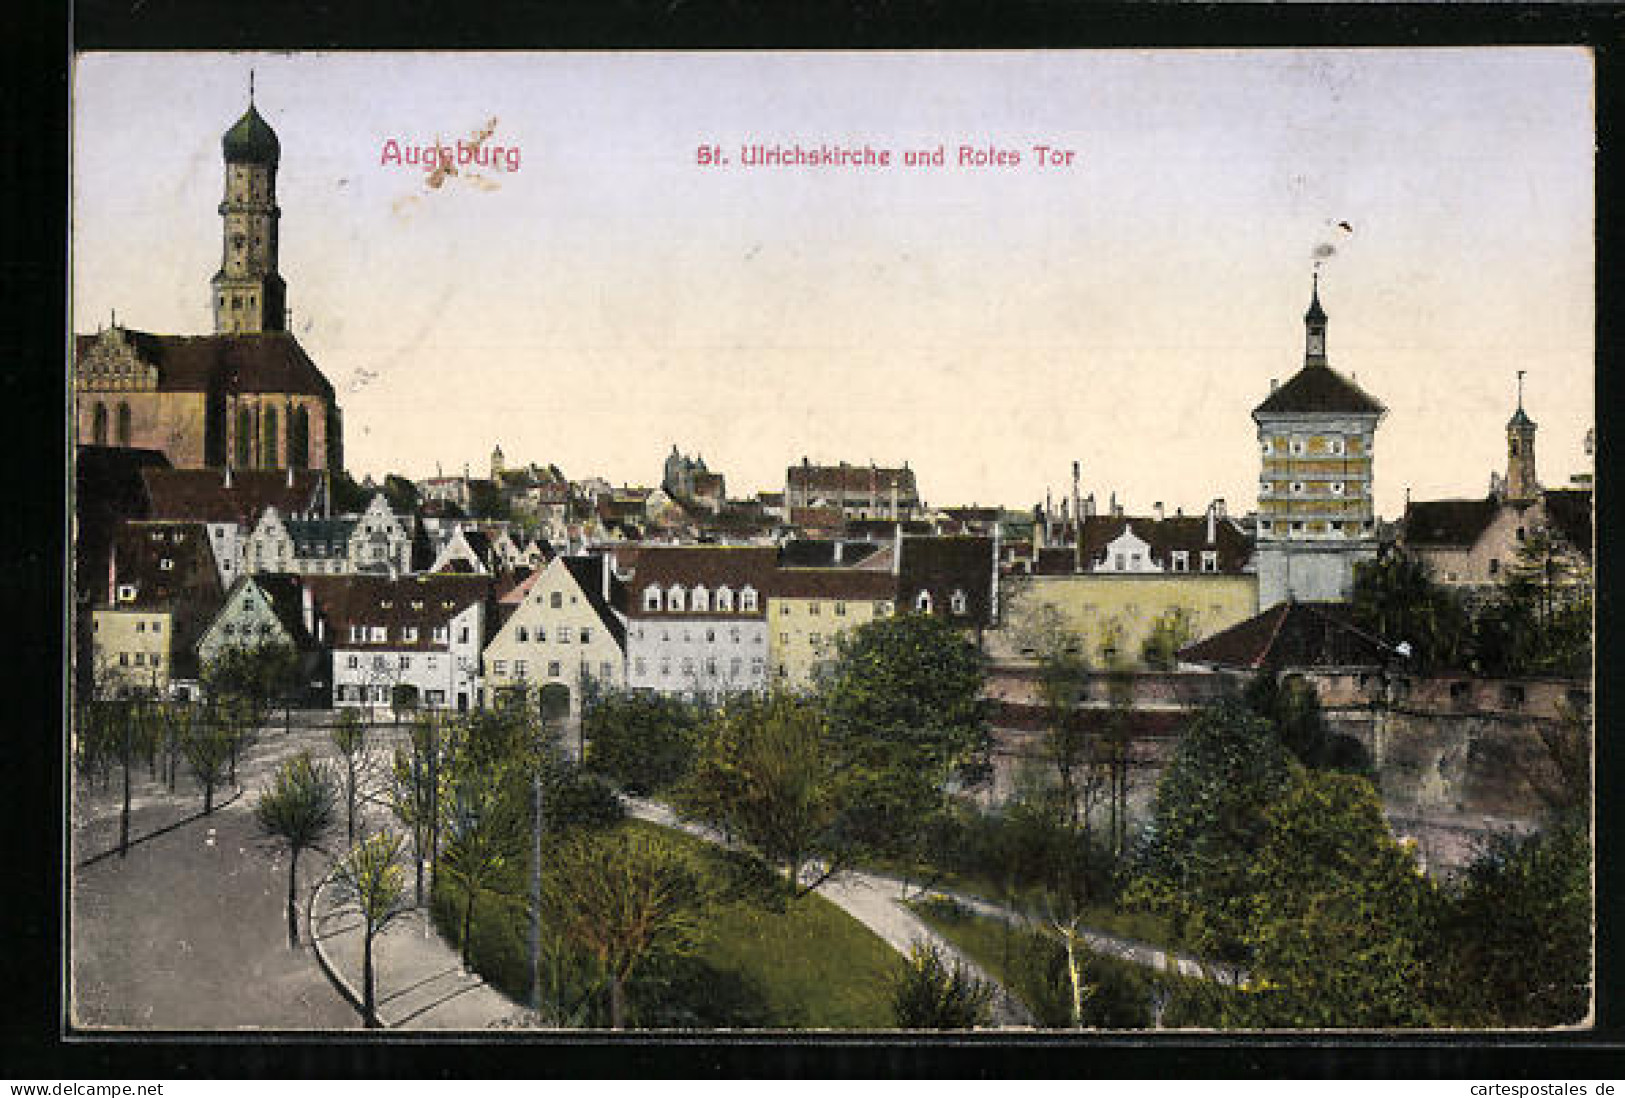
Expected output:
(1520, 418)
(244, 362)
(251, 140)
(1319, 389)
(202, 495)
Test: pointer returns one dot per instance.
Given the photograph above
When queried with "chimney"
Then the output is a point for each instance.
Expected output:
(1212, 532)
(1077, 518)
(1218, 506)
(1116, 508)
(1157, 508)
(1275, 383)
(1089, 506)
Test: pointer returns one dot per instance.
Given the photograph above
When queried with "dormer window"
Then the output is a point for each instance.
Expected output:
(1335, 445)
(1210, 560)
(922, 602)
(1297, 446)
(674, 598)
(700, 600)
(126, 592)
(1180, 560)
(747, 600)
(166, 565)
(956, 602)
(725, 600)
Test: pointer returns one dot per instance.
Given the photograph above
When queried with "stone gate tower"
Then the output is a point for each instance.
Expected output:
(1316, 510)
(249, 294)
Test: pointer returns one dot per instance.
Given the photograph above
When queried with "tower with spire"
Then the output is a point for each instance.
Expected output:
(1522, 486)
(248, 293)
(1316, 509)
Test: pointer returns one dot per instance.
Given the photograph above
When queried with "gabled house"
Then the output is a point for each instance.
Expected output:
(266, 610)
(422, 632)
(1470, 545)
(697, 619)
(562, 629)
(164, 589)
(948, 577)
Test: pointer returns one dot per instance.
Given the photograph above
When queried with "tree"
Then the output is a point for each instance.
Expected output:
(767, 773)
(1396, 599)
(346, 495)
(623, 898)
(486, 828)
(934, 992)
(370, 883)
(350, 738)
(1063, 684)
(1172, 630)
(644, 742)
(1207, 824)
(908, 723)
(1340, 915)
(1292, 708)
(1540, 622)
(208, 746)
(259, 675)
(298, 808)
(1516, 934)
(401, 494)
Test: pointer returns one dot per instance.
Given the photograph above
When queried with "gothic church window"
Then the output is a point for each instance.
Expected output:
(270, 455)
(123, 424)
(99, 425)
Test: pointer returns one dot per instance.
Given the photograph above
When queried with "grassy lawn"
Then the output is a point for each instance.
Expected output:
(1138, 925)
(1032, 967)
(758, 961)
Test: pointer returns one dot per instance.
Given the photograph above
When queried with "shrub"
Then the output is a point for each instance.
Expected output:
(934, 993)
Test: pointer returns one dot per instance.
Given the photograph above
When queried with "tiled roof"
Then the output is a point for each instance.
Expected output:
(885, 529)
(820, 552)
(710, 565)
(1186, 532)
(1319, 389)
(589, 574)
(850, 478)
(816, 518)
(424, 601)
(287, 602)
(943, 565)
(108, 488)
(1448, 523)
(202, 495)
(834, 583)
(189, 588)
(1291, 634)
(244, 362)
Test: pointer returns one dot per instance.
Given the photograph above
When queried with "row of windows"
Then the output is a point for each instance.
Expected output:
(140, 659)
(1298, 487)
(677, 599)
(561, 634)
(1179, 560)
(957, 603)
(1298, 445)
(382, 663)
(263, 629)
(734, 635)
(406, 634)
(814, 608)
(687, 665)
(98, 427)
(1298, 526)
(555, 669)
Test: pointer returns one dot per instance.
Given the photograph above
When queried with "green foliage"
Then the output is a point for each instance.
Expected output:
(908, 721)
(1541, 620)
(401, 494)
(644, 742)
(1339, 917)
(207, 747)
(1396, 599)
(1292, 707)
(369, 881)
(1207, 825)
(1516, 933)
(1172, 630)
(487, 501)
(935, 992)
(345, 495)
(768, 774)
(298, 808)
(260, 675)
(622, 897)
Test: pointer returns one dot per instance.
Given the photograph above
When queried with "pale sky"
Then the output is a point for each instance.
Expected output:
(612, 297)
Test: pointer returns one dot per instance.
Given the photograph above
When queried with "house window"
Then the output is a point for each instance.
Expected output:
(124, 659)
(564, 636)
(1210, 560)
(641, 666)
(1181, 560)
(440, 634)
(1337, 487)
(665, 668)
(1336, 445)
(140, 627)
(747, 600)
(688, 665)
(711, 636)
(353, 662)
(462, 635)
(1297, 487)
(157, 627)
(553, 669)
(1495, 566)
(957, 602)
(922, 602)
(815, 639)
(166, 565)
(784, 609)
(784, 638)
(406, 663)
(711, 669)
(541, 634)
(1297, 527)
(409, 634)
(674, 598)
(725, 599)
(1512, 696)
(1297, 446)
(840, 609)
(379, 634)
(557, 600)
(499, 667)
(733, 634)
(651, 598)
(1265, 488)
(1269, 447)
(524, 634)
(519, 669)
(700, 601)
(735, 666)
(586, 636)
(882, 609)
(606, 670)
(813, 608)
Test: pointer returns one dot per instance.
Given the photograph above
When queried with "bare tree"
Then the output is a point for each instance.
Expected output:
(370, 883)
(350, 738)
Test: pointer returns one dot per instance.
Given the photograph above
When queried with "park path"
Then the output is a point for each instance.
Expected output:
(872, 900)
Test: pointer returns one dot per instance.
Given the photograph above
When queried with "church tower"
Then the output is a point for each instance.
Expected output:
(249, 294)
(1316, 508)
(1521, 484)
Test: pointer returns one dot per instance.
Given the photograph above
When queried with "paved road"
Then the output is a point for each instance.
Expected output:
(874, 901)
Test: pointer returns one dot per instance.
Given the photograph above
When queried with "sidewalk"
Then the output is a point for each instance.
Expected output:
(873, 901)
(418, 978)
